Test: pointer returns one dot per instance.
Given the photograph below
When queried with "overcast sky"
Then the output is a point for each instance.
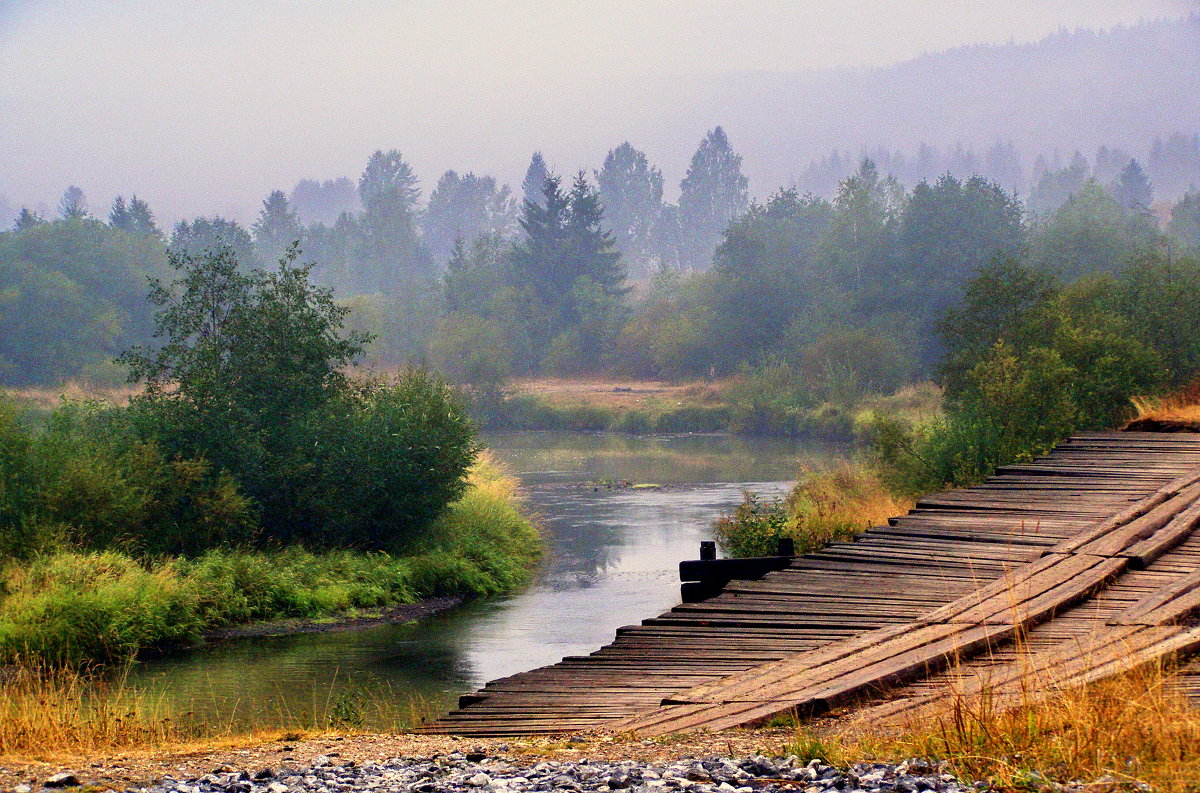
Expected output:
(203, 107)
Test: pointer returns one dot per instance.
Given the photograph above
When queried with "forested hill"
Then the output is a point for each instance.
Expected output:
(1071, 90)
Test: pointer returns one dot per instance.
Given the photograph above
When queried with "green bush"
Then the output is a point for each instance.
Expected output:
(373, 468)
(754, 528)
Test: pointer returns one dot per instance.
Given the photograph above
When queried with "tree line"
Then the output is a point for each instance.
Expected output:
(596, 272)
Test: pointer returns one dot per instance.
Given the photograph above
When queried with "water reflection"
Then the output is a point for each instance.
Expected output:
(612, 561)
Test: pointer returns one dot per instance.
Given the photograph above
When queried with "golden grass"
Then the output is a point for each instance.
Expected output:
(50, 713)
(1134, 728)
(56, 709)
(838, 502)
(1180, 407)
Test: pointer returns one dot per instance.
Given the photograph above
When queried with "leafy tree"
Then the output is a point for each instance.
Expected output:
(474, 351)
(765, 274)
(712, 193)
(73, 205)
(391, 257)
(324, 202)
(277, 228)
(864, 210)
(1089, 233)
(71, 297)
(945, 234)
(1054, 187)
(1158, 296)
(997, 305)
(533, 186)
(464, 208)
(334, 249)
(1175, 163)
(631, 191)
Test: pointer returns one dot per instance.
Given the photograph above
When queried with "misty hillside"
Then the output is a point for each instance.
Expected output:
(1071, 90)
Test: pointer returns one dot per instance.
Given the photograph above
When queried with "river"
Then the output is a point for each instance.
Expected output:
(612, 555)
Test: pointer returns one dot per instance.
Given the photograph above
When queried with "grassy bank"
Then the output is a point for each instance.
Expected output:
(75, 607)
(1127, 730)
(739, 405)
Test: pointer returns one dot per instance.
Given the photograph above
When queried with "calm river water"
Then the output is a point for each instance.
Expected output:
(612, 560)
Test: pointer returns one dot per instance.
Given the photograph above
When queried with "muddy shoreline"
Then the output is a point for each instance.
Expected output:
(294, 626)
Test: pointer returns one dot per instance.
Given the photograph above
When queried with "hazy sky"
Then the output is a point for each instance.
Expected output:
(203, 107)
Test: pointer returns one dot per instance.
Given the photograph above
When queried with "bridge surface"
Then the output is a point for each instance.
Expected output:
(1067, 569)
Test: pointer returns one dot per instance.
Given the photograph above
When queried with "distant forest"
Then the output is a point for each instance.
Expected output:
(594, 272)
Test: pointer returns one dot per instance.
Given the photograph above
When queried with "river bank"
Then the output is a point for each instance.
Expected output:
(721, 763)
(736, 405)
(337, 622)
(75, 607)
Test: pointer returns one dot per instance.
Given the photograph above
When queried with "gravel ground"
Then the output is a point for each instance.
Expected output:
(475, 773)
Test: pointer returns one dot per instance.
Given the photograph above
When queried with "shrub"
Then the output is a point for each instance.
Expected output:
(374, 468)
(755, 527)
(822, 507)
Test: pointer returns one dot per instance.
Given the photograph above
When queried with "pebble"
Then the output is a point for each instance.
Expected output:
(65, 779)
(473, 773)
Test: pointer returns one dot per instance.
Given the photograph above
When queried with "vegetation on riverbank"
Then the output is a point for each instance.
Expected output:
(1130, 729)
(754, 403)
(824, 506)
(251, 479)
(77, 606)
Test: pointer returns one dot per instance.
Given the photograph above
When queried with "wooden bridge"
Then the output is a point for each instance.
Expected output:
(1067, 569)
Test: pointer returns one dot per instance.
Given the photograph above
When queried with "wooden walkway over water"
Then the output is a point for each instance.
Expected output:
(1069, 568)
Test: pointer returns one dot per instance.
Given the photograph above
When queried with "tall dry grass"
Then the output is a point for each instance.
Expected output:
(1180, 407)
(1130, 729)
(47, 710)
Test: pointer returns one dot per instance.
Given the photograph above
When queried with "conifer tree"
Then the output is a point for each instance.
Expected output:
(277, 227)
(1132, 189)
(118, 216)
(27, 219)
(141, 219)
(533, 186)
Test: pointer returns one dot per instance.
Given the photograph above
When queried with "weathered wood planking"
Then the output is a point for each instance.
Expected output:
(914, 596)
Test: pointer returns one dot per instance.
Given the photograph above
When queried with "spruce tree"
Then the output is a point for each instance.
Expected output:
(277, 227)
(118, 216)
(1132, 189)
(533, 186)
(594, 254)
(141, 219)
(27, 219)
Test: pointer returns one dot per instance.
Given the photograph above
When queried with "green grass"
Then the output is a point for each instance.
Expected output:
(76, 607)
